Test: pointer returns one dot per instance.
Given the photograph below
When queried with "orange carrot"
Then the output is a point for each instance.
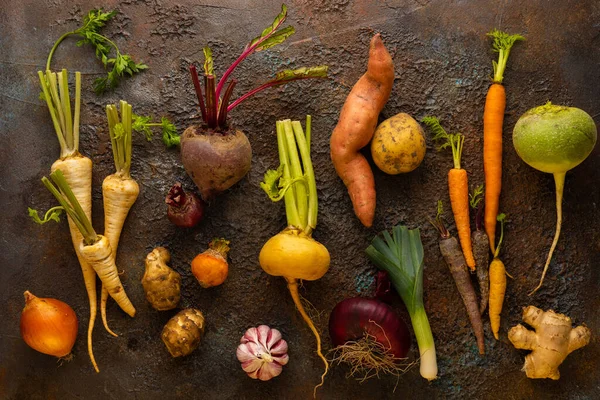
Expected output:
(458, 187)
(493, 117)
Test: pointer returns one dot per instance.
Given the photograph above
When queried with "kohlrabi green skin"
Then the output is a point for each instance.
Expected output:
(553, 138)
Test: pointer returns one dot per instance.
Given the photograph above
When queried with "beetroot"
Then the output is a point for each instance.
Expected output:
(185, 208)
(213, 154)
(215, 161)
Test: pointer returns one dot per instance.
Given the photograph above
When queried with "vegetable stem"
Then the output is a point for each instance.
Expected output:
(55, 89)
(502, 44)
(304, 147)
(198, 89)
(291, 210)
(252, 46)
(282, 78)
(60, 39)
(425, 342)
(211, 102)
(120, 136)
(71, 206)
(296, 172)
(222, 118)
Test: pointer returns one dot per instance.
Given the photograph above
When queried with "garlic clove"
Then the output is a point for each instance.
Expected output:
(281, 360)
(268, 371)
(279, 348)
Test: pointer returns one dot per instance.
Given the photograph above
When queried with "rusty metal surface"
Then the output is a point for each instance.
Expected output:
(443, 63)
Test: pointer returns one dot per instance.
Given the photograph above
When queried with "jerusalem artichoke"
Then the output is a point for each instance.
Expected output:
(161, 283)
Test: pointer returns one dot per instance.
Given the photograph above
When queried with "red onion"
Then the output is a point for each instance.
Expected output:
(185, 208)
(353, 319)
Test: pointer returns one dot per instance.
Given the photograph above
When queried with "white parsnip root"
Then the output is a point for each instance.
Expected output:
(553, 340)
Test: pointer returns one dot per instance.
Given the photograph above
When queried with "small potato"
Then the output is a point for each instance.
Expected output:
(398, 144)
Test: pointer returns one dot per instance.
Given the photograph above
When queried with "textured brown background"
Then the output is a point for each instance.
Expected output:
(443, 65)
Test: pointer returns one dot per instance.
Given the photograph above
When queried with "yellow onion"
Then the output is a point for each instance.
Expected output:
(48, 325)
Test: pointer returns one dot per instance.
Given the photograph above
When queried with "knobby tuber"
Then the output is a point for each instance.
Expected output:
(183, 332)
(553, 340)
(161, 283)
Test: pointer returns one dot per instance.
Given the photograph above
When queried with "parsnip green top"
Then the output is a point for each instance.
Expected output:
(554, 138)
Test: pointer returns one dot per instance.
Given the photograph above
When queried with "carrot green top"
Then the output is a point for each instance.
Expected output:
(502, 44)
(454, 140)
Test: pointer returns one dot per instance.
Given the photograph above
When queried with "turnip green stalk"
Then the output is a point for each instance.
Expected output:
(401, 255)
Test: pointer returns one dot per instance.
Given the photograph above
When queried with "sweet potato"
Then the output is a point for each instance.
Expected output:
(355, 128)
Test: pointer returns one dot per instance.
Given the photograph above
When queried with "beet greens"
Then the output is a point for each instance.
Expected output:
(213, 106)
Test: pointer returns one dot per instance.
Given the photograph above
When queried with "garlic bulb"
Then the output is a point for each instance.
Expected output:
(262, 353)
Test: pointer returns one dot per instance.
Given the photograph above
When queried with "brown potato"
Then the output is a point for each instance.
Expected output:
(398, 144)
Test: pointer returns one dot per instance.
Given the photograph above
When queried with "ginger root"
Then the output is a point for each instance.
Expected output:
(553, 340)
(161, 283)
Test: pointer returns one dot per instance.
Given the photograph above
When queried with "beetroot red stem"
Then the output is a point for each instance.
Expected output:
(198, 91)
(211, 102)
(222, 118)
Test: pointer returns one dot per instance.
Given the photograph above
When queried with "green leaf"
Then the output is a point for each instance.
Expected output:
(52, 214)
(96, 19)
(270, 183)
(401, 255)
(502, 40)
(170, 137)
(119, 130)
(301, 73)
(208, 61)
(276, 38)
(140, 124)
(279, 19)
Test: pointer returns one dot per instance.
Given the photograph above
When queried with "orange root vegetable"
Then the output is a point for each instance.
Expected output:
(211, 268)
(458, 187)
(119, 191)
(356, 126)
(493, 118)
(497, 284)
(293, 253)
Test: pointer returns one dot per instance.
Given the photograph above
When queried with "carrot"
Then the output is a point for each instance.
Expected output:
(458, 186)
(356, 126)
(95, 249)
(493, 117)
(119, 191)
(76, 168)
(497, 283)
(458, 268)
(481, 249)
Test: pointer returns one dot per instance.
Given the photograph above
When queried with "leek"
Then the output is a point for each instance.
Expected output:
(401, 255)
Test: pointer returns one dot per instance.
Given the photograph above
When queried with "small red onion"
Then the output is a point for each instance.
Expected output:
(185, 208)
(352, 318)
